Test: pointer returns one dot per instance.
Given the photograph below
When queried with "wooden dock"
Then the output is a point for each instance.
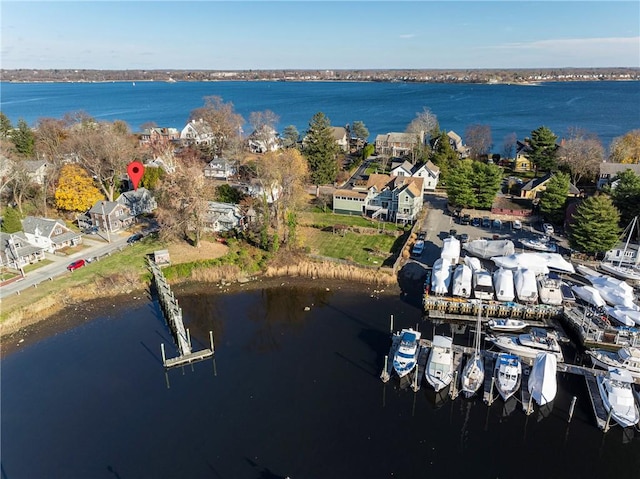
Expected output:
(172, 314)
(527, 400)
(494, 309)
(489, 364)
(596, 401)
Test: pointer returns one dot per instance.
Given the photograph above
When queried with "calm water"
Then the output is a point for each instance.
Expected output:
(608, 109)
(291, 393)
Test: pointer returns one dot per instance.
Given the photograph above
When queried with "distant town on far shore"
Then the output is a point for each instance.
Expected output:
(519, 75)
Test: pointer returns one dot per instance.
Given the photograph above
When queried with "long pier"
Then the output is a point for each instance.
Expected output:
(173, 317)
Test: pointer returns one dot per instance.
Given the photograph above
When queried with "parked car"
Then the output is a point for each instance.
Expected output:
(464, 237)
(465, 220)
(453, 233)
(548, 229)
(497, 223)
(134, 238)
(475, 222)
(422, 235)
(486, 222)
(517, 225)
(418, 248)
(76, 264)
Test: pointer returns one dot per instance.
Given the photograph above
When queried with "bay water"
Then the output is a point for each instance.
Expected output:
(607, 109)
(289, 393)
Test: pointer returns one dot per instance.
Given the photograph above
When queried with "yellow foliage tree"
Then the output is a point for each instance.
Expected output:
(626, 148)
(76, 190)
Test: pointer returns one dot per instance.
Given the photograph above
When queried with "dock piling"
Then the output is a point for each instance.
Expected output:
(572, 407)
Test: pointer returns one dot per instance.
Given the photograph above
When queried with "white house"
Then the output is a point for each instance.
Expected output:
(608, 171)
(220, 169)
(341, 137)
(139, 201)
(49, 234)
(429, 172)
(197, 132)
(16, 251)
(398, 144)
(221, 217)
(263, 140)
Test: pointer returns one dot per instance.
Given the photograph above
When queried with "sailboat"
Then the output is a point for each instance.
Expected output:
(473, 372)
(629, 255)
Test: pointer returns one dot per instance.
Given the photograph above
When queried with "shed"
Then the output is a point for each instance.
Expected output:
(161, 257)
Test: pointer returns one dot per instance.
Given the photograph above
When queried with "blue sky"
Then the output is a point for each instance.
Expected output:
(220, 35)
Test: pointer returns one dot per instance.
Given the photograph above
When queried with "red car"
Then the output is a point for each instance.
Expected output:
(76, 264)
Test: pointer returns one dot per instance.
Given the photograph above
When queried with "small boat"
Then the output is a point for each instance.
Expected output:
(540, 244)
(543, 384)
(439, 370)
(482, 285)
(450, 250)
(627, 358)
(485, 249)
(589, 294)
(503, 284)
(440, 277)
(507, 325)
(550, 289)
(508, 373)
(525, 283)
(473, 372)
(406, 356)
(528, 345)
(617, 396)
(461, 285)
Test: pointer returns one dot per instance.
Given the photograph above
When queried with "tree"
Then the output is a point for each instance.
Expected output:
(554, 197)
(509, 145)
(359, 130)
(486, 180)
(320, 149)
(264, 125)
(460, 186)
(424, 125)
(225, 123)
(581, 155)
(290, 137)
(5, 126)
(228, 194)
(595, 227)
(543, 149)
(626, 148)
(152, 175)
(443, 155)
(76, 190)
(478, 139)
(626, 195)
(24, 139)
(11, 220)
(183, 202)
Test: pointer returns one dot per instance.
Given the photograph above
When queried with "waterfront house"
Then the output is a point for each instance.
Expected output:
(139, 201)
(220, 169)
(341, 137)
(49, 234)
(534, 188)
(456, 143)
(36, 170)
(158, 138)
(398, 144)
(221, 217)
(16, 251)
(197, 132)
(608, 172)
(429, 172)
(522, 163)
(111, 216)
(385, 197)
(263, 140)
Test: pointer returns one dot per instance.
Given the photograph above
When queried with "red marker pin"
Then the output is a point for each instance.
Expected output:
(135, 170)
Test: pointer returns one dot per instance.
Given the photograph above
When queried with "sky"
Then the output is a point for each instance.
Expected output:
(266, 35)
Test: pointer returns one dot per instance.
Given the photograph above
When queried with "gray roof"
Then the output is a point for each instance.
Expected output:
(109, 207)
(608, 168)
(25, 248)
(45, 226)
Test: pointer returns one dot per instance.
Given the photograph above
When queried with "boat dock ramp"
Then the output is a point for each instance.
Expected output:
(173, 316)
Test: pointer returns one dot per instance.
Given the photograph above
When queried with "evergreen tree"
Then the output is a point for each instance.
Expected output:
(543, 149)
(359, 130)
(460, 186)
(290, 136)
(5, 126)
(320, 149)
(11, 220)
(626, 195)
(554, 197)
(595, 228)
(151, 177)
(486, 180)
(24, 139)
(443, 155)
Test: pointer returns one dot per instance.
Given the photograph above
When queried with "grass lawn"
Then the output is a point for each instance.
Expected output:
(354, 247)
(39, 264)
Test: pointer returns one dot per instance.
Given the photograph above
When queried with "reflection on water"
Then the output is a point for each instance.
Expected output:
(294, 393)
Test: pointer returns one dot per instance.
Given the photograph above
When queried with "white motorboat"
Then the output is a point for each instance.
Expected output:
(482, 285)
(589, 294)
(450, 250)
(617, 396)
(461, 285)
(406, 356)
(503, 284)
(539, 244)
(550, 290)
(525, 282)
(543, 384)
(627, 358)
(473, 372)
(507, 325)
(485, 249)
(508, 374)
(440, 277)
(528, 345)
(439, 370)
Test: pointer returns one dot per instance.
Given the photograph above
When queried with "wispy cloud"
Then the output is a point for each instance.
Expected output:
(572, 44)
(408, 35)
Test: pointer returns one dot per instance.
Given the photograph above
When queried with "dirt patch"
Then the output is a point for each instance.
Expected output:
(185, 253)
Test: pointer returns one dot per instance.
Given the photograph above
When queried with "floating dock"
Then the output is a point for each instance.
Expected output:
(173, 316)
(594, 333)
(494, 309)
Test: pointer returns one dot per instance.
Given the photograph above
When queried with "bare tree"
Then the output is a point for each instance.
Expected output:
(509, 145)
(425, 124)
(478, 139)
(264, 126)
(581, 154)
(225, 123)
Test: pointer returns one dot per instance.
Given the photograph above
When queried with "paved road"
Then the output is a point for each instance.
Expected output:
(95, 249)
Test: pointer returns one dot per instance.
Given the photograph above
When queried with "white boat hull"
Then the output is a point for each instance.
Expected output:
(543, 384)
(515, 346)
(472, 375)
(617, 397)
(508, 373)
(507, 325)
(624, 272)
(439, 370)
